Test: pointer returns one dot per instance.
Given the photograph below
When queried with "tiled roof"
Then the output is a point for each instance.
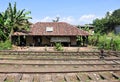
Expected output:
(59, 29)
(21, 33)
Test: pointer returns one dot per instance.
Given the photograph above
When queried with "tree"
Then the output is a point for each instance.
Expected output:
(56, 20)
(18, 20)
(13, 20)
(3, 26)
(116, 13)
(115, 18)
(100, 25)
(107, 24)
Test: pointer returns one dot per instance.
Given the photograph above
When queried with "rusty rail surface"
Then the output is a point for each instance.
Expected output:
(39, 53)
(99, 64)
(60, 59)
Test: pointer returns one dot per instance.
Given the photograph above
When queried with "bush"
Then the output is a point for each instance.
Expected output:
(107, 42)
(58, 46)
(5, 45)
(117, 42)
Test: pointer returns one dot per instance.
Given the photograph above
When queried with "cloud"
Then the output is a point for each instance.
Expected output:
(68, 19)
(84, 19)
(111, 12)
(87, 18)
(46, 19)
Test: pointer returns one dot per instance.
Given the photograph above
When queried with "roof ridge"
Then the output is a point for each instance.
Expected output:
(51, 22)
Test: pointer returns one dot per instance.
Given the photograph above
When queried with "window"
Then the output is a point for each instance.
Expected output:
(49, 29)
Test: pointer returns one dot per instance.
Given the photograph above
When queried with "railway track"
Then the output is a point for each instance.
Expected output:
(58, 59)
(16, 66)
(39, 53)
(34, 66)
(64, 77)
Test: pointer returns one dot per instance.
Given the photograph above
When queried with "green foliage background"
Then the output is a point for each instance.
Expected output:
(107, 42)
(107, 23)
(5, 45)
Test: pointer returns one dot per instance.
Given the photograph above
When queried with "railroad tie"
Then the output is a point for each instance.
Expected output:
(108, 81)
(41, 77)
(31, 78)
(37, 78)
(93, 76)
(116, 75)
(18, 78)
(116, 62)
(104, 76)
(3, 78)
(78, 78)
(66, 78)
(82, 77)
(53, 77)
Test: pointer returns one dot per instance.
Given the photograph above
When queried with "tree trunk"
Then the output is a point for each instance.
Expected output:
(10, 35)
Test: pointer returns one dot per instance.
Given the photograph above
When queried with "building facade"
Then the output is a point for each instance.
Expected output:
(48, 33)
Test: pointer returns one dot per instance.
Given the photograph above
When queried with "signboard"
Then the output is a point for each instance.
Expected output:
(60, 39)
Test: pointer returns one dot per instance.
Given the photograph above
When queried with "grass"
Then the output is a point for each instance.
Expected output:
(5, 45)
(9, 81)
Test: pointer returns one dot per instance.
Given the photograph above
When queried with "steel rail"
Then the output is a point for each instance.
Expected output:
(59, 59)
(87, 64)
(55, 53)
(74, 71)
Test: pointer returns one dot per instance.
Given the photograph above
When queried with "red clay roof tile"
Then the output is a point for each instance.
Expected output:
(59, 29)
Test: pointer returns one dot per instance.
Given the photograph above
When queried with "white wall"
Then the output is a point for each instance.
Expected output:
(117, 29)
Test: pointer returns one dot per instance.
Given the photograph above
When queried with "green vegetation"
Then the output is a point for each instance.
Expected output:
(9, 81)
(104, 37)
(58, 46)
(107, 42)
(12, 20)
(5, 45)
(107, 23)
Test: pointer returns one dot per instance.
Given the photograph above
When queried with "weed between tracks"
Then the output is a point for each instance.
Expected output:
(76, 67)
(9, 81)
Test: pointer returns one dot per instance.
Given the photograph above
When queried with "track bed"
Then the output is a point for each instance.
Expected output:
(59, 67)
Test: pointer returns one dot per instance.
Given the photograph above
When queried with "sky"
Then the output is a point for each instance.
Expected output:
(76, 12)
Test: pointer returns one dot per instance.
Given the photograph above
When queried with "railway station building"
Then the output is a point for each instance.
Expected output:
(48, 33)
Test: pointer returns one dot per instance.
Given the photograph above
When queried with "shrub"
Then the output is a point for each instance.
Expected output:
(117, 43)
(107, 42)
(58, 46)
(5, 45)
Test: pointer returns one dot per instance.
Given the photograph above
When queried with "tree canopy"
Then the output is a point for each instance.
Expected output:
(107, 23)
(12, 20)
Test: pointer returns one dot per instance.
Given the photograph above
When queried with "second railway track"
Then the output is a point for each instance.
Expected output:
(44, 64)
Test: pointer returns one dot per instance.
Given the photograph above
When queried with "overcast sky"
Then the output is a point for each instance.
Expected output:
(77, 12)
